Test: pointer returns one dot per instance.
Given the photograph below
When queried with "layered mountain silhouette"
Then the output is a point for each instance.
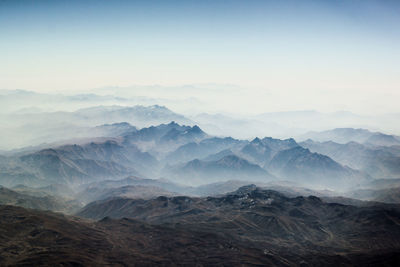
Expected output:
(31, 129)
(301, 165)
(159, 195)
(263, 150)
(379, 162)
(226, 168)
(346, 135)
(204, 148)
(77, 164)
(179, 153)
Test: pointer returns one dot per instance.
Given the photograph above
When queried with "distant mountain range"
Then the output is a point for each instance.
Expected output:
(164, 136)
(54, 117)
(204, 148)
(44, 202)
(226, 168)
(346, 135)
(184, 154)
(144, 185)
(377, 161)
(75, 164)
(263, 150)
(314, 170)
(29, 129)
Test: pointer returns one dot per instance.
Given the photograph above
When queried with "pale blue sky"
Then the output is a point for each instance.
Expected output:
(301, 49)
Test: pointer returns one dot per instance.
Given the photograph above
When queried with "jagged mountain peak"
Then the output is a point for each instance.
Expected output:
(256, 140)
(196, 129)
(173, 124)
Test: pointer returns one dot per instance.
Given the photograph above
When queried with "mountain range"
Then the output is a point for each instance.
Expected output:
(226, 168)
(172, 193)
(346, 135)
(30, 118)
(285, 230)
(180, 153)
(28, 129)
(377, 161)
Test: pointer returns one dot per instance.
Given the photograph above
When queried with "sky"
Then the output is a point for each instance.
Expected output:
(283, 55)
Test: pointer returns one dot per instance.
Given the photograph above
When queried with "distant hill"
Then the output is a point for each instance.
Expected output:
(132, 187)
(76, 164)
(202, 149)
(380, 139)
(263, 150)
(57, 190)
(313, 169)
(112, 130)
(46, 202)
(383, 183)
(219, 155)
(197, 172)
(128, 191)
(346, 135)
(31, 129)
(164, 138)
(378, 162)
(386, 195)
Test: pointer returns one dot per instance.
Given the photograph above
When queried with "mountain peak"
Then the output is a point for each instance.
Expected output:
(173, 123)
(256, 141)
(196, 129)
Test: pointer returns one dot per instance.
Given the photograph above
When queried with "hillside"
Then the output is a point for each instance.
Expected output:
(197, 172)
(46, 202)
(301, 226)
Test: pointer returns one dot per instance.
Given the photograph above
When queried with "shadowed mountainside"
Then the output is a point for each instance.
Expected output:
(301, 165)
(250, 226)
(271, 221)
(229, 167)
(377, 161)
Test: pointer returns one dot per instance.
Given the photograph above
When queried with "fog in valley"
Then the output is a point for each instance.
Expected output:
(111, 133)
(30, 118)
(199, 133)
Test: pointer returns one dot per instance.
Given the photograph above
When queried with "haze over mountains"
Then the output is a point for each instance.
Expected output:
(199, 133)
(130, 177)
(30, 118)
(114, 141)
(177, 152)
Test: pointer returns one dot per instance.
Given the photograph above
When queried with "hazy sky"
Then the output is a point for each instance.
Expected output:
(325, 55)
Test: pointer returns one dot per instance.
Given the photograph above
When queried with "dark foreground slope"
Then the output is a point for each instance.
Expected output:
(250, 227)
(33, 238)
(285, 230)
